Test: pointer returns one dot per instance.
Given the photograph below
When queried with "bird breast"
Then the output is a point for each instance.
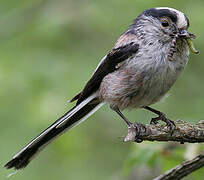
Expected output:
(144, 78)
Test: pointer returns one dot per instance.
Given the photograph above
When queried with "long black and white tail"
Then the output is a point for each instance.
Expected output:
(76, 115)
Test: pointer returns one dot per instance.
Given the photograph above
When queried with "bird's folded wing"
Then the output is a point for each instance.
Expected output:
(107, 65)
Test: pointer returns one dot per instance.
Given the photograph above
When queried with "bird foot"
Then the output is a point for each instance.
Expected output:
(162, 117)
(134, 131)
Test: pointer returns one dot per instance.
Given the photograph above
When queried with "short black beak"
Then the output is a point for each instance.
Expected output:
(185, 34)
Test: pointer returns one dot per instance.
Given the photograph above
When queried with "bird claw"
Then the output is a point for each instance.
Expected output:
(138, 129)
(169, 123)
(171, 126)
(154, 121)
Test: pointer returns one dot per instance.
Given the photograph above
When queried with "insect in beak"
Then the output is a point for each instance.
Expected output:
(189, 39)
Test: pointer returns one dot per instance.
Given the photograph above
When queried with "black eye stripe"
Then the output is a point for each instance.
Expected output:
(159, 13)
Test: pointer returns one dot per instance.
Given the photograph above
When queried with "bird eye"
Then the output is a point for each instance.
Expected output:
(165, 22)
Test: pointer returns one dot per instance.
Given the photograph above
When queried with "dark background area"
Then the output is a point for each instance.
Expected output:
(48, 51)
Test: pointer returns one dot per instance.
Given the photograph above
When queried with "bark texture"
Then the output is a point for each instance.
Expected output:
(183, 132)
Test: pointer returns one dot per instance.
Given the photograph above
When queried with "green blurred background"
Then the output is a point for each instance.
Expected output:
(48, 51)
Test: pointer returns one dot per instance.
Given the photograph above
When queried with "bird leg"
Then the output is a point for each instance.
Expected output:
(136, 127)
(162, 117)
(117, 110)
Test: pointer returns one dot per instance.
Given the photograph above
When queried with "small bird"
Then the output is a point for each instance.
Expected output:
(143, 65)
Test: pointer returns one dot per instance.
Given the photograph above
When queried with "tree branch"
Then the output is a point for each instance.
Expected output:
(184, 132)
(183, 169)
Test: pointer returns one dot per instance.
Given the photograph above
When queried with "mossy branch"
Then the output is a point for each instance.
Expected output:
(184, 132)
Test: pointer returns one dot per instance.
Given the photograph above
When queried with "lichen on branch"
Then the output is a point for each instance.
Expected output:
(183, 132)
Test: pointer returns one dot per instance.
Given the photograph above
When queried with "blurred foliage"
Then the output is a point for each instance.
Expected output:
(157, 158)
(48, 50)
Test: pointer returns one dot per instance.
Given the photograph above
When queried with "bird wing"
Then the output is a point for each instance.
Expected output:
(125, 47)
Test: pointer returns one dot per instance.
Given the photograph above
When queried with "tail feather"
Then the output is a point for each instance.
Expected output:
(72, 118)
